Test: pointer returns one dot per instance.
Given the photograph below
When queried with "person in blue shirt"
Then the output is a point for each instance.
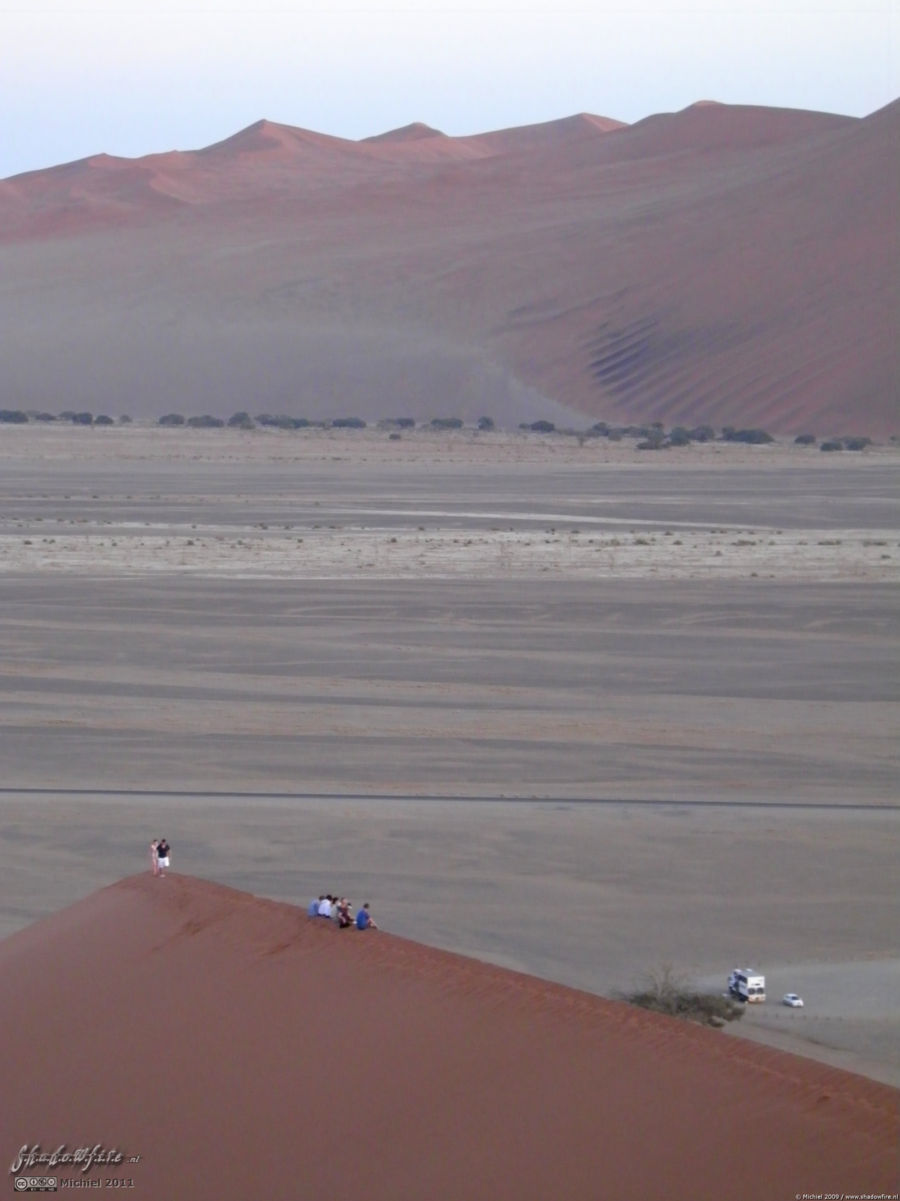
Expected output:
(364, 919)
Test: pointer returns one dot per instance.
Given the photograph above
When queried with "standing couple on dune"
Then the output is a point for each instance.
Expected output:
(159, 856)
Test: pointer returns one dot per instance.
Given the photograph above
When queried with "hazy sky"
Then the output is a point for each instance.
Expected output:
(131, 77)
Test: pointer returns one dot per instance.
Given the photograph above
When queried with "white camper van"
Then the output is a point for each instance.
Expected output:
(747, 985)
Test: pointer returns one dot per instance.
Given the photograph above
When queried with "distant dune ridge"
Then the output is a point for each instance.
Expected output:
(724, 264)
(241, 1049)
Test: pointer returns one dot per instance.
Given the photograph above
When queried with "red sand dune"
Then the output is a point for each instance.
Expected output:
(414, 132)
(730, 264)
(244, 1051)
(709, 128)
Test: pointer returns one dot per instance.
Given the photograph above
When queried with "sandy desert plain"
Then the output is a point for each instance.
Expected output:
(571, 709)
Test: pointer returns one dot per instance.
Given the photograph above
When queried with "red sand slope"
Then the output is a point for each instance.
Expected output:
(730, 264)
(243, 1051)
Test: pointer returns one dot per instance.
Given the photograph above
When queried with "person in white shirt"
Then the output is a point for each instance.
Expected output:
(325, 907)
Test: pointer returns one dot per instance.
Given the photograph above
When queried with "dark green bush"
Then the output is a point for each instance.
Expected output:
(832, 444)
(14, 416)
(754, 437)
(805, 440)
(702, 433)
(206, 422)
(282, 421)
(171, 419)
(399, 423)
(241, 421)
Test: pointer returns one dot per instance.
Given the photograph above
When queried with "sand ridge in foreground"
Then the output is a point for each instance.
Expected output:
(240, 1048)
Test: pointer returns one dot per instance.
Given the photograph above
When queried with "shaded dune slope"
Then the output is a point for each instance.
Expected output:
(731, 264)
(241, 1050)
(739, 267)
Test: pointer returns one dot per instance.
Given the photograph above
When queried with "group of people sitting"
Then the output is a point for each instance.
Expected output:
(339, 910)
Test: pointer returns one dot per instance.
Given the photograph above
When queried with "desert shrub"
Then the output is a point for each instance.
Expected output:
(397, 423)
(281, 421)
(348, 423)
(171, 419)
(542, 427)
(241, 421)
(205, 422)
(44, 416)
(832, 444)
(666, 991)
(754, 437)
(394, 437)
(82, 419)
(679, 436)
(103, 419)
(857, 443)
(486, 423)
(446, 423)
(600, 428)
(653, 439)
(67, 415)
(14, 416)
(702, 433)
(805, 440)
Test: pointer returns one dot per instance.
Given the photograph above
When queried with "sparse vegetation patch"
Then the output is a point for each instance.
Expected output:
(667, 991)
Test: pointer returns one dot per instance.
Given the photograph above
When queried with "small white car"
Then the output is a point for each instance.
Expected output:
(791, 999)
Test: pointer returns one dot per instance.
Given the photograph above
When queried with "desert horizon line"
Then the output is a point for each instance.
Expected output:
(422, 130)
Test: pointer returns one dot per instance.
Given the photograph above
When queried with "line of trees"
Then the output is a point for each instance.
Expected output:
(648, 437)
